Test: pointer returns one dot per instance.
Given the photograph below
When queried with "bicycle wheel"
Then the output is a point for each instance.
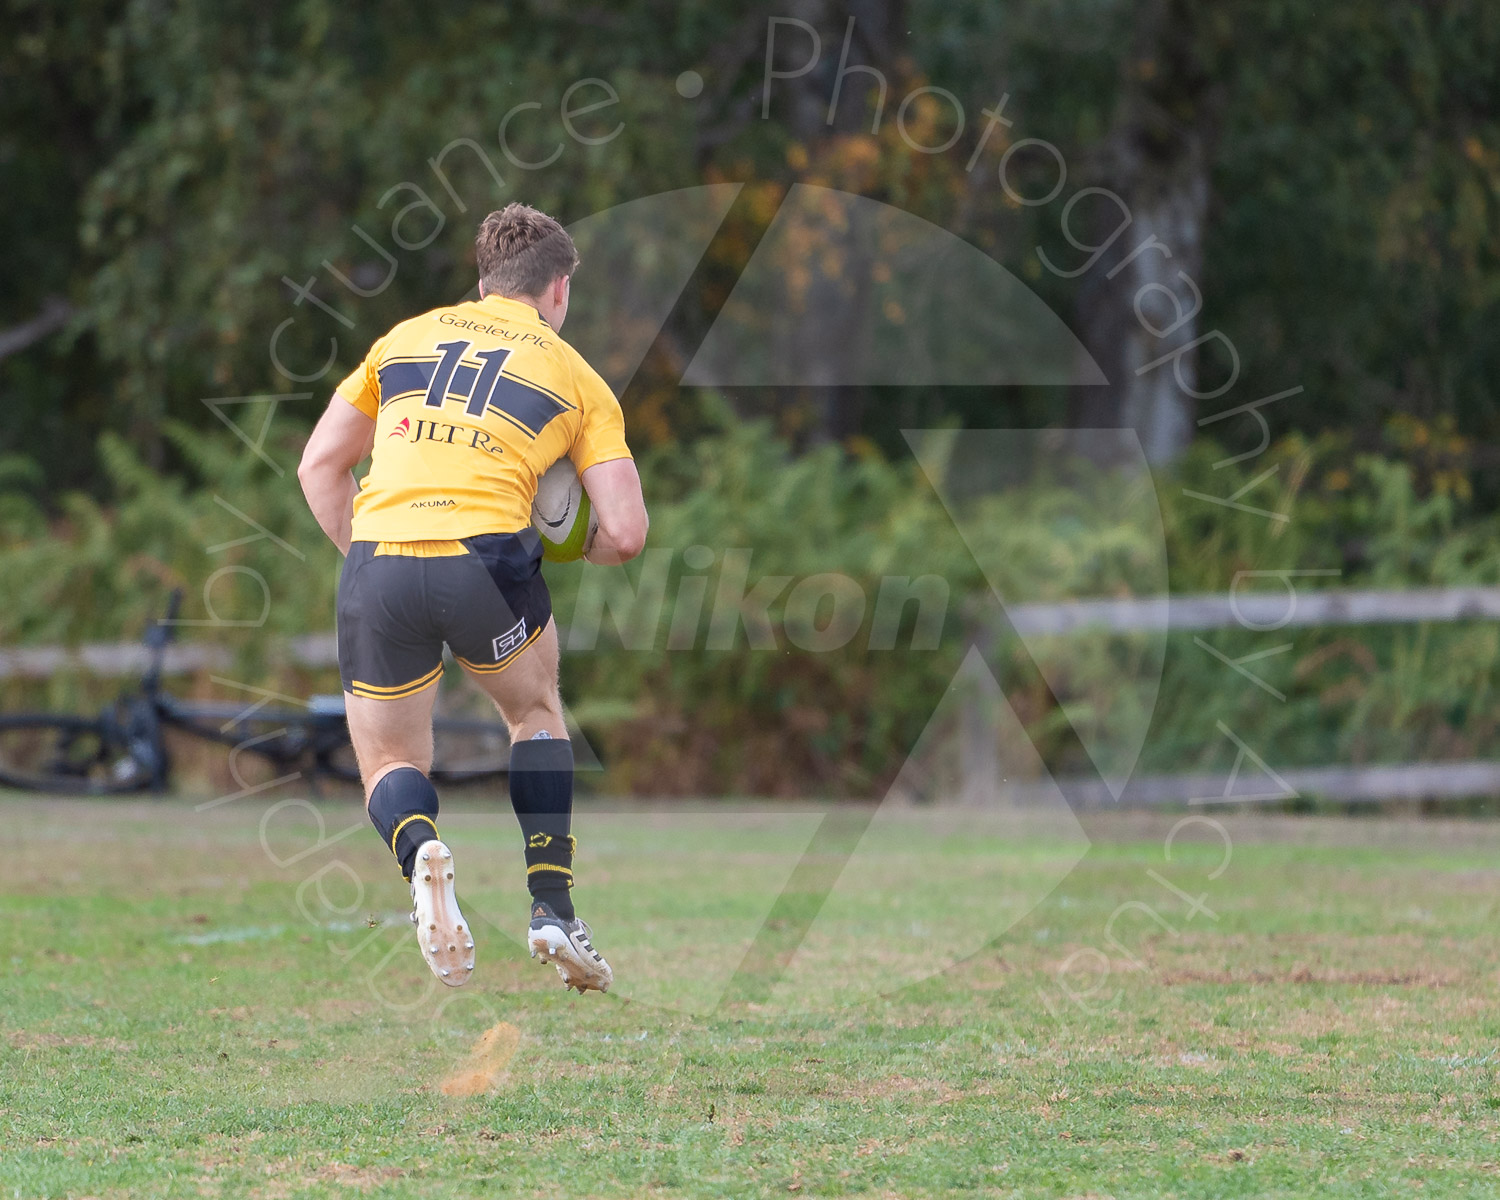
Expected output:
(466, 750)
(283, 740)
(44, 752)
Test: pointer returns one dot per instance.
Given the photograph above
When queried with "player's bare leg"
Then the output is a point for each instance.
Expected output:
(541, 792)
(393, 743)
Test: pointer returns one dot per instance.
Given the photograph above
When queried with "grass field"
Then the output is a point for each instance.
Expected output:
(254, 1024)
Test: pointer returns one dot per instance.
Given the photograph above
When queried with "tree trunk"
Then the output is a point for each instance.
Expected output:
(829, 407)
(1156, 159)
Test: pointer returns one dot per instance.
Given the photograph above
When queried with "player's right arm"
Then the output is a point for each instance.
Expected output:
(342, 437)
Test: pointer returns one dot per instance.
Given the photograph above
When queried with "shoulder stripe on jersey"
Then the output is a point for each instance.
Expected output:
(399, 378)
(548, 392)
(528, 405)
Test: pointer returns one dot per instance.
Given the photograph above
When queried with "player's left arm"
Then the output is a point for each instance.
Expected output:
(614, 489)
(342, 437)
(607, 470)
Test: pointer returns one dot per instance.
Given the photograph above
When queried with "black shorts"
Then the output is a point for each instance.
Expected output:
(395, 611)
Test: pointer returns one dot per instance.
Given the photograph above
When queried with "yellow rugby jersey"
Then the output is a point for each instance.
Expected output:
(471, 404)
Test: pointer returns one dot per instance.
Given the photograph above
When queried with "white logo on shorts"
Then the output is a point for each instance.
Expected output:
(510, 641)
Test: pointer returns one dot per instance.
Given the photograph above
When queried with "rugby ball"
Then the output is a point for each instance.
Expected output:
(562, 514)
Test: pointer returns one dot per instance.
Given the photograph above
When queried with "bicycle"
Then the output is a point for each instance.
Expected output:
(123, 748)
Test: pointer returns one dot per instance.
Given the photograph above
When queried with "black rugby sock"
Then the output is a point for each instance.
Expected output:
(404, 807)
(541, 792)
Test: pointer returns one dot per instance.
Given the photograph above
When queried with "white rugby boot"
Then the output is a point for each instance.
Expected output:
(447, 941)
(567, 945)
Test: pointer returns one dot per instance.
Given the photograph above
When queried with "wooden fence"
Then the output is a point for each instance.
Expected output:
(1258, 610)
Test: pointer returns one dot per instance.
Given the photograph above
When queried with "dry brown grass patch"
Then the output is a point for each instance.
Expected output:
(487, 1062)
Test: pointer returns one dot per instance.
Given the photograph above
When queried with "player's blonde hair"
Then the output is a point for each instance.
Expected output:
(520, 251)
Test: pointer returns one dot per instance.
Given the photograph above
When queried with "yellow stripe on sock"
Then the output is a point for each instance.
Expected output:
(405, 821)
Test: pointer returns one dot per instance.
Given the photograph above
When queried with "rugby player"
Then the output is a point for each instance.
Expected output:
(461, 409)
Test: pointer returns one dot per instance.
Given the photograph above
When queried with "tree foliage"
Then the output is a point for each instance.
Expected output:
(166, 165)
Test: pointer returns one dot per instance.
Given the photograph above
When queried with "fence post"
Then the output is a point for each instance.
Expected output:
(978, 729)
